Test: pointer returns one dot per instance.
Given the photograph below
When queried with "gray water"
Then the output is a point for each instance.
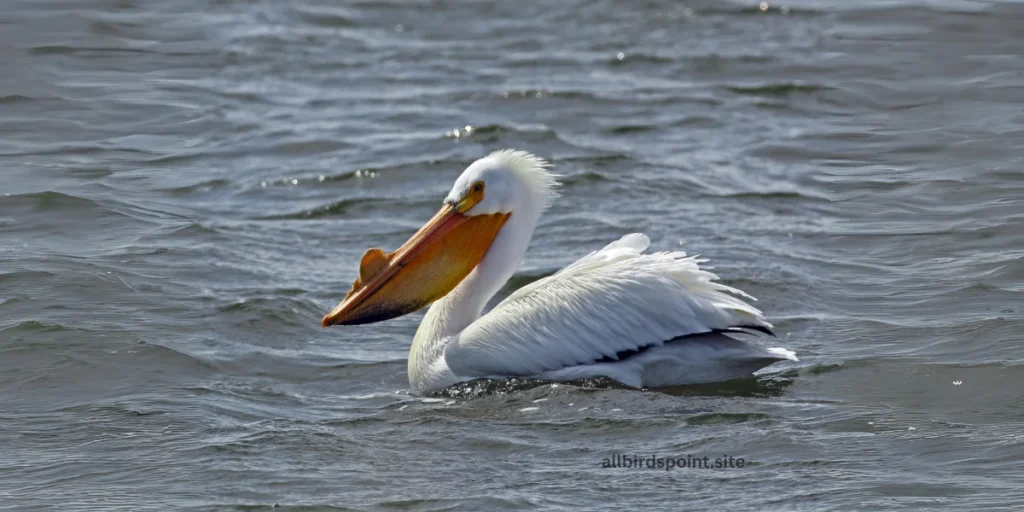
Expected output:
(188, 186)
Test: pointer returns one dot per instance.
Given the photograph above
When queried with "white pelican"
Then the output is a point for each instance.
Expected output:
(645, 320)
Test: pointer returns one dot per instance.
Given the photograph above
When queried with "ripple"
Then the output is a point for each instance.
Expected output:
(785, 195)
(584, 178)
(495, 133)
(200, 187)
(628, 59)
(16, 98)
(777, 89)
(720, 418)
(629, 128)
(49, 201)
(342, 208)
(307, 147)
(333, 17)
(510, 386)
(270, 311)
(57, 49)
(764, 386)
(33, 327)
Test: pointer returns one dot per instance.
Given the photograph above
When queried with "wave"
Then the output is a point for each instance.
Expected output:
(777, 89)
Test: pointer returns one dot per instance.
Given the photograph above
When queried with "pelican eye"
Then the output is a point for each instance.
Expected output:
(474, 196)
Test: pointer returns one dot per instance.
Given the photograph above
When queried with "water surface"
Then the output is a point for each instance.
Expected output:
(188, 186)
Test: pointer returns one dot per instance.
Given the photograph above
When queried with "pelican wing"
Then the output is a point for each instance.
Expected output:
(608, 304)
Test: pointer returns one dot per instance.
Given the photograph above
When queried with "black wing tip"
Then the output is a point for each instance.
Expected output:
(744, 328)
(622, 355)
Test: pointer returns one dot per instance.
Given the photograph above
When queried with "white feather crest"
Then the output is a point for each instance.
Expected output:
(534, 173)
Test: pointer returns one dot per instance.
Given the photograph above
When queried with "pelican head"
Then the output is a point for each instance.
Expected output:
(450, 245)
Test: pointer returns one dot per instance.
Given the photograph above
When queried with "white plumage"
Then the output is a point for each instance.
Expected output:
(612, 301)
(646, 320)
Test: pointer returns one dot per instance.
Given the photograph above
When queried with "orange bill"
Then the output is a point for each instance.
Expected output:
(431, 264)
